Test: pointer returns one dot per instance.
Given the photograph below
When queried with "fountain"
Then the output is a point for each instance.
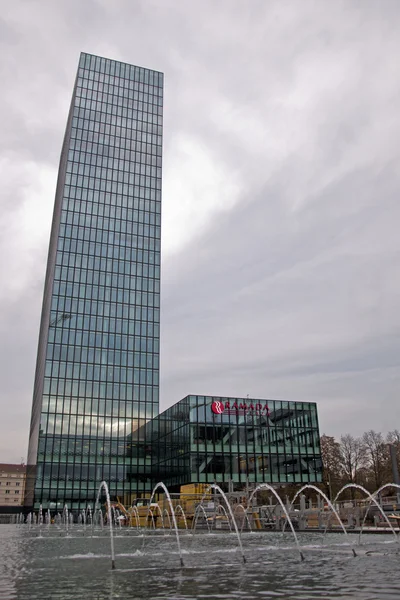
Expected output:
(269, 487)
(163, 487)
(135, 512)
(245, 516)
(325, 497)
(151, 514)
(182, 512)
(157, 508)
(196, 516)
(216, 487)
(218, 514)
(104, 486)
(372, 500)
(166, 514)
(221, 509)
(377, 493)
(65, 518)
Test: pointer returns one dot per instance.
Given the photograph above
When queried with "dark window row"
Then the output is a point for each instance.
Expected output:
(98, 355)
(98, 406)
(143, 132)
(91, 65)
(135, 151)
(138, 144)
(113, 157)
(107, 114)
(122, 104)
(149, 110)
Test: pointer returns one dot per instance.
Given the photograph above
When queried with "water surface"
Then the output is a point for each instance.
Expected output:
(57, 565)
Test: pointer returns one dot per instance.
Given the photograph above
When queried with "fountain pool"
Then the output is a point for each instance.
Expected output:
(59, 565)
(94, 557)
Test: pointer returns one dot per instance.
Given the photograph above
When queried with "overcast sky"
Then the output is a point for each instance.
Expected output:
(281, 211)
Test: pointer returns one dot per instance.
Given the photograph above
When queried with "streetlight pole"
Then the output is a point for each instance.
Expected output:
(328, 483)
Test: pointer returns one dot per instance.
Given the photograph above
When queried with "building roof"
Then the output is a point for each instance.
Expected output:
(12, 468)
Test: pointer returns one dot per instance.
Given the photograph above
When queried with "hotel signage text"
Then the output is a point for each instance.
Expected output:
(241, 408)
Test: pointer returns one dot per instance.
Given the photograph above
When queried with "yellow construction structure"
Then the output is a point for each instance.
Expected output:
(141, 513)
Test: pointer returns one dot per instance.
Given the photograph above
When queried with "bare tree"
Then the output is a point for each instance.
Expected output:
(352, 458)
(330, 451)
(393, 437)
(377, 455)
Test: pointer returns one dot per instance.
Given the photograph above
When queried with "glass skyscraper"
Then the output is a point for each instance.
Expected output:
(97, 371)
(95, 412)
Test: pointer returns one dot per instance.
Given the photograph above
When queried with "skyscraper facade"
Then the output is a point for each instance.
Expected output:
(97, 371)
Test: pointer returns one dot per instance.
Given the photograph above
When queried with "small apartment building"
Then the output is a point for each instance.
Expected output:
(12, 487)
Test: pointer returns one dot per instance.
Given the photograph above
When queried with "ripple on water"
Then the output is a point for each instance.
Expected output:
(78, 566)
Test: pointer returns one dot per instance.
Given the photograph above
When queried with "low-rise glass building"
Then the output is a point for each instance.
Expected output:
(206, 439)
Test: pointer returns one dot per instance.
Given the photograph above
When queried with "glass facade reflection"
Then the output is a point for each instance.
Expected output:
(208, 439)
(96, 391)
(97, 372)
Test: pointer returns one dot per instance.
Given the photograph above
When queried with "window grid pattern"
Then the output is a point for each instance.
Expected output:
(252, 440)
(101, 377)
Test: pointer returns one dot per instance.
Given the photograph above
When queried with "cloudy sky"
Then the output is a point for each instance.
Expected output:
(281, 209)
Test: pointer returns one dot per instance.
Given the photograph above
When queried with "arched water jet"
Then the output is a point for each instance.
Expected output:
(360, 487)
(137, 518)
(221, 508)
(216, 487)
(196, 516)
(383, 487)
(171, 508)
(169, 519)
(150, 513)
(333, 509)
(158, 507)
(266, 486)
(179, 507)
(246, 517)
(109, 518)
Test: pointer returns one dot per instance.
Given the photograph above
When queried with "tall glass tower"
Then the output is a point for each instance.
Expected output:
(97, 371)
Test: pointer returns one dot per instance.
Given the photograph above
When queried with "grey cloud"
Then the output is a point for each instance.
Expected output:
(293, 291)
(280, 303)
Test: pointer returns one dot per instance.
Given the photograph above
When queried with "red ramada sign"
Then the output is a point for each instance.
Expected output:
(242, 408)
